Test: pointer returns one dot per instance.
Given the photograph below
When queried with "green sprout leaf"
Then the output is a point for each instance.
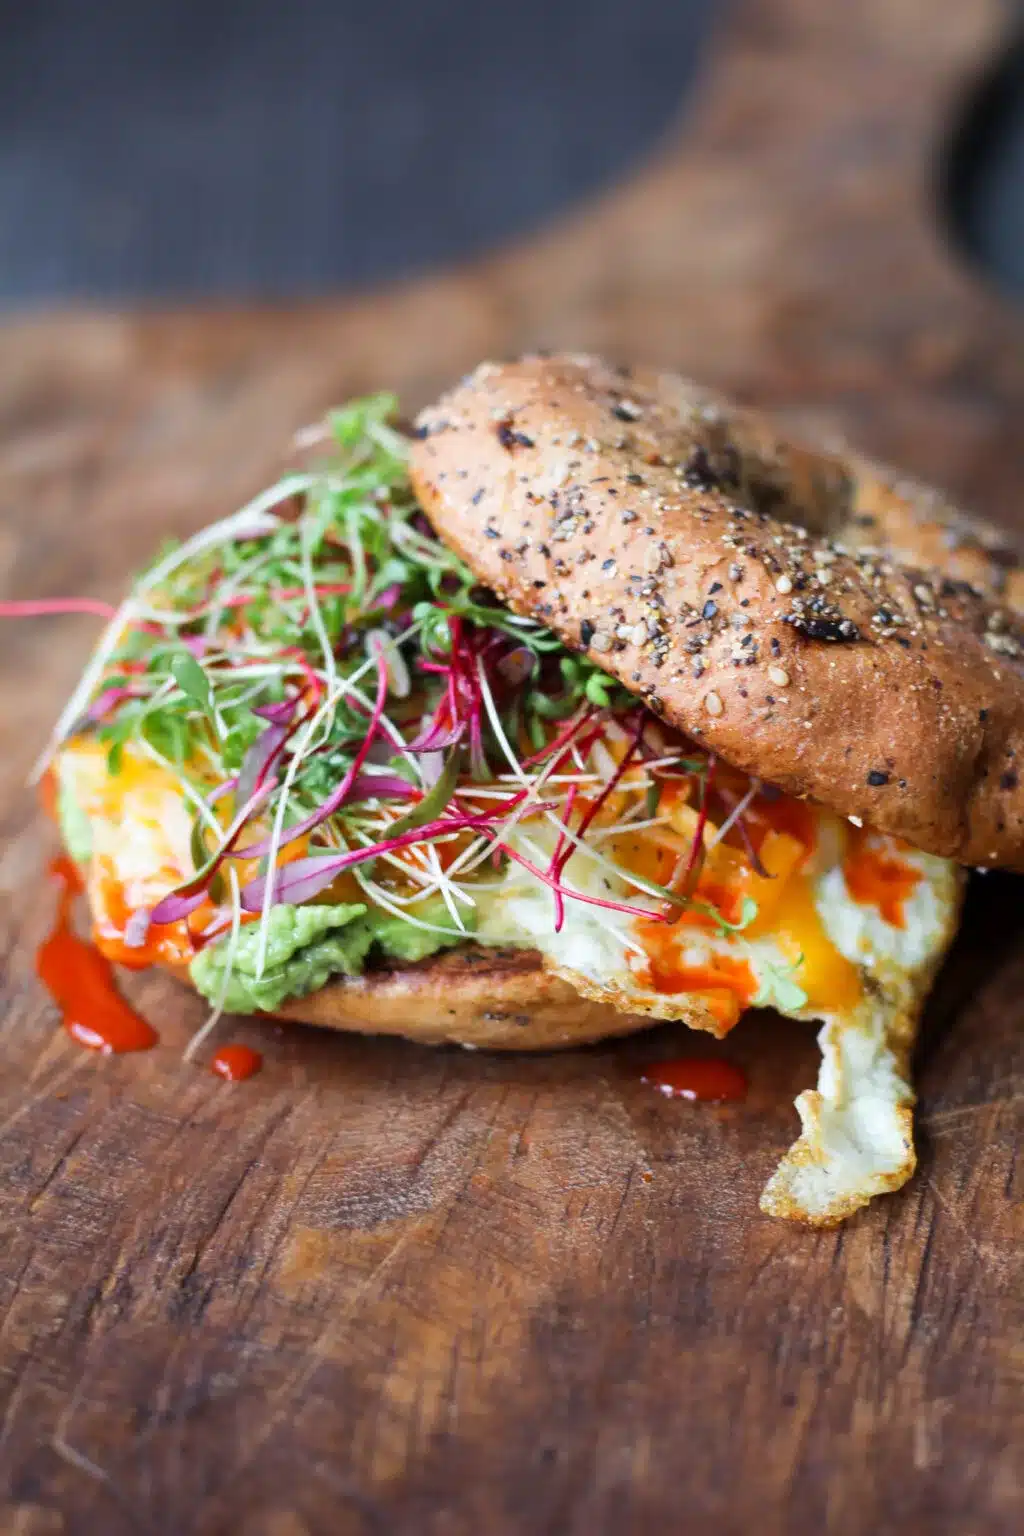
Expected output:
(779, 990)
(192, 680)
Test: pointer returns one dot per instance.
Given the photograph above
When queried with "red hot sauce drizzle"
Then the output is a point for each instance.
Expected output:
(703, 1079)
(234, 1063)
(81, 981)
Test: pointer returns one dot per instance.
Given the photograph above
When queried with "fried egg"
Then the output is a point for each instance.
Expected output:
(852, 939)
(849, 930)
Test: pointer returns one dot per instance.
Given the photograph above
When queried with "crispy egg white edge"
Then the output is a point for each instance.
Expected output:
(857, 1126)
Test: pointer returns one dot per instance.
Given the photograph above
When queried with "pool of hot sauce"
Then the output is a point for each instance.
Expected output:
(235, 1063)
(703, 1078)
(81, 980)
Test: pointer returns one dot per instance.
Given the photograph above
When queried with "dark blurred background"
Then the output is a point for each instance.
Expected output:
(192, 148)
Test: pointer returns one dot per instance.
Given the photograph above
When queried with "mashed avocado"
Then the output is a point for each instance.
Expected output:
(306, 946)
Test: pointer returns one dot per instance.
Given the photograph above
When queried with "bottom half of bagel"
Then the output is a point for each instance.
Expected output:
(497, 998)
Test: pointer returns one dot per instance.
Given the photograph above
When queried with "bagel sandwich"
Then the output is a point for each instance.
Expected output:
(590, 702)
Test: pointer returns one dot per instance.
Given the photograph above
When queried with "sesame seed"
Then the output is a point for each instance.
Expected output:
(784, 585)
(779, 676)
(713, 704)
(601, 641)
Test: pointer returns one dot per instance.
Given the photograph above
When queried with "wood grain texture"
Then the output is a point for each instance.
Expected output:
(380, 1289)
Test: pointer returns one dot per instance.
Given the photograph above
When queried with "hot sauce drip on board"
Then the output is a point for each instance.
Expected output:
(703, 1079)
(234, 1063)
(81, 981)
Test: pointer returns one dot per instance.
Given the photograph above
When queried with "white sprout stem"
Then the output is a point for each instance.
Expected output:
(578, 843)
(315, 611)
(356, 552)
(595, 914)
(377, 894)
(735, 813)
(206, 1031)
(444, 884)
(415, 867)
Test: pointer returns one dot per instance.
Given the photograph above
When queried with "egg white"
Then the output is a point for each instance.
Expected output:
(856, 1126)
(856, 1133)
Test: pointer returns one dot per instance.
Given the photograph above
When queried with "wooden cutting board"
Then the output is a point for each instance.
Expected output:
(386, 1289)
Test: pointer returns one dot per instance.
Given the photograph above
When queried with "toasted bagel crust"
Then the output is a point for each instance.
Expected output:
(498, 999)
(822, 624)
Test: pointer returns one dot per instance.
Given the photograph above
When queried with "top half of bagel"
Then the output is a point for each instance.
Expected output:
(818, 622)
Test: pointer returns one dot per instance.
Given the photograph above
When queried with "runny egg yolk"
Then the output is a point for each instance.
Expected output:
(781, 837)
